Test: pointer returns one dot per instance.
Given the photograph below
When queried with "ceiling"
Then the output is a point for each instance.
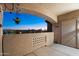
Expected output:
(51, 9)
(58, 8)
(55, 8)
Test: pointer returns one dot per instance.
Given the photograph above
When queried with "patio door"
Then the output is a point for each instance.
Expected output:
(69, 37)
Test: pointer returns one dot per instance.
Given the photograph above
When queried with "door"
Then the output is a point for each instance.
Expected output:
(69, 33)
(57, 33)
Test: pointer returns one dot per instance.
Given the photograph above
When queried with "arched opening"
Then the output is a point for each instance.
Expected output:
(29, 42)
(41, 22)
(27, 23)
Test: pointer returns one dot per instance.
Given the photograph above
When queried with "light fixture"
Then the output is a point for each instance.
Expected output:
(17, 20)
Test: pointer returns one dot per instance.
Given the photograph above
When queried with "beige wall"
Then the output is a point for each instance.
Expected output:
(68, 23)
(68, 16)
(0, 45)
(0, 31)
(69, 33)
(21, 44)
(50, 38)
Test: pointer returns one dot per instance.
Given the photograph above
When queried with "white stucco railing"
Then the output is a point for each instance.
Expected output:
(21, 44)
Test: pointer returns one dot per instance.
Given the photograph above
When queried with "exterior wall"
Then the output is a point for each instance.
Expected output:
(50, 38)
(0, 45)
(0, 31)
(69, 33)
(21, 44)
(69, 18)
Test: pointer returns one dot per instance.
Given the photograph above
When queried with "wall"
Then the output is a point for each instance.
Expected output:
(0, 31)
(68, 23)
(21, 44)
(68, 16)
(49, 38)
(69, 33)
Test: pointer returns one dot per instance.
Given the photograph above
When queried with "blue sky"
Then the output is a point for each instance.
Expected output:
(27, 21)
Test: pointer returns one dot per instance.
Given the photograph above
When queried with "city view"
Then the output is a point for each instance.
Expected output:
(27, 23)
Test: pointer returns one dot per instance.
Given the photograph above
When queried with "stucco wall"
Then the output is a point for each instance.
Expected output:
(0, 31)
(21, 44)
(68, 23)
(64, 17)
(0, 45)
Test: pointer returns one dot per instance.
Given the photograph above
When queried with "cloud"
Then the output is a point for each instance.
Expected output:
(26, 27)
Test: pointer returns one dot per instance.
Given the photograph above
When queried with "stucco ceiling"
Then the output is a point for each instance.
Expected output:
(57, 8)
(51, 9)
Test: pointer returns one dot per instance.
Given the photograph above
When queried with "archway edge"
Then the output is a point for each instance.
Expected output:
(37, 12)
(47, 18)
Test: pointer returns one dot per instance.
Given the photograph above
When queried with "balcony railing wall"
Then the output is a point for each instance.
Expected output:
(22, 44)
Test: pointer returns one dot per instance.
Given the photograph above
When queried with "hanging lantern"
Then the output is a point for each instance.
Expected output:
(17, 20)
